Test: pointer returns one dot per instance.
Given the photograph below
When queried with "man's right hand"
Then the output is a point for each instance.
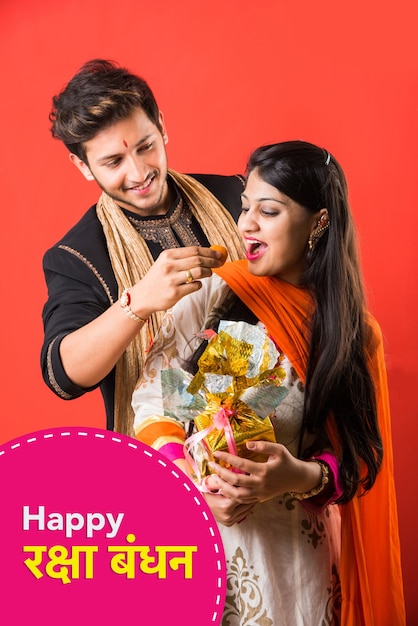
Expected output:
(176, 273)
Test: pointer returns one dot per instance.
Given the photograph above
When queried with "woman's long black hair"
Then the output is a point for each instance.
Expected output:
(338, 382)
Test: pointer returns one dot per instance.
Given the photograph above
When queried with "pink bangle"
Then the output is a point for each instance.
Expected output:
(332, 462)
(172, 451)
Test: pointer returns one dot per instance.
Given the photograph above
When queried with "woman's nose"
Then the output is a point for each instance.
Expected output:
(247, 222)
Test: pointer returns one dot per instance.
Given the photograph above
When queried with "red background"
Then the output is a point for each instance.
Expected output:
(229, 75)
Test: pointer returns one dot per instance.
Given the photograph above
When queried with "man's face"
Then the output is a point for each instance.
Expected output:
(128, 161)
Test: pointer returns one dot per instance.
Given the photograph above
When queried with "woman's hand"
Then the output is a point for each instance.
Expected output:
(225, 510)
(282, 472)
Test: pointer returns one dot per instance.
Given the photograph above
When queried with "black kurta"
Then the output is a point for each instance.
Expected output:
(82, 285)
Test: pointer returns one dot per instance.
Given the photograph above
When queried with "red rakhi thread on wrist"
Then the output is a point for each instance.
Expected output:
(125, 301)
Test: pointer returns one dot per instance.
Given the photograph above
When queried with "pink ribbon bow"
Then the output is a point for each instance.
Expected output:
(220, 421)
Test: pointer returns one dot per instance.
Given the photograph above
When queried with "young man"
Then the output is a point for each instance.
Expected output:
(141, 247)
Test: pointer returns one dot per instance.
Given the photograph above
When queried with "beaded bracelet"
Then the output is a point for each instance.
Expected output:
(316, 490)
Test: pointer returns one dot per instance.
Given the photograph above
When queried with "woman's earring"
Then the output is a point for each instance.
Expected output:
(321, 227)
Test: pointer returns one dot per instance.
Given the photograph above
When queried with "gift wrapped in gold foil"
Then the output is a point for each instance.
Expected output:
(236, 418)
(239, 382)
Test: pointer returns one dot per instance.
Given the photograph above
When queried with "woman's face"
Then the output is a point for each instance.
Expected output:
(275, 230)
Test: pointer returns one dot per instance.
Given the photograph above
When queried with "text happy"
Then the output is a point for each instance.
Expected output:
(72, 522)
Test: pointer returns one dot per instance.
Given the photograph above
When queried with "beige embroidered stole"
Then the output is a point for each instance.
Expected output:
(131, 259)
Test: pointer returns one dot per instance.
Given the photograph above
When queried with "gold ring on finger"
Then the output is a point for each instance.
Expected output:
(189, 277)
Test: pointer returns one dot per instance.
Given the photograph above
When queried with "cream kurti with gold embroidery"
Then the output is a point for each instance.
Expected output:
(282, 562)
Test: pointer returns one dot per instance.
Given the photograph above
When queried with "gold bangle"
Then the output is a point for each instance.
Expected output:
(316, 490)
(125, 301)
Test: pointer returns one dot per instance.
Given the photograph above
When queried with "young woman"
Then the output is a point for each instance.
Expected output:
(311, 534)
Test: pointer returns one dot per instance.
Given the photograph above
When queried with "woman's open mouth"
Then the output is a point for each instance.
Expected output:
(255, 249)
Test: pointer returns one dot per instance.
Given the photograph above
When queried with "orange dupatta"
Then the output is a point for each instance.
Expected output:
(371, 575)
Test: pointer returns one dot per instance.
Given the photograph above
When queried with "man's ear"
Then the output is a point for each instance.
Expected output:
(80, 165)
(163, 129)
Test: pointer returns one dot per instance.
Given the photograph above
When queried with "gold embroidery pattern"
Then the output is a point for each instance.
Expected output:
(243, 598)
(333, 606)
(51, 376)
(165, 345)
(63, 394)
(314, 529)
(91, 267)
(312, 526)
(161, 231)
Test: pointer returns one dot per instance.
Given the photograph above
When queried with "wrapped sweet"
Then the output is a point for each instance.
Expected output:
(231, 397)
